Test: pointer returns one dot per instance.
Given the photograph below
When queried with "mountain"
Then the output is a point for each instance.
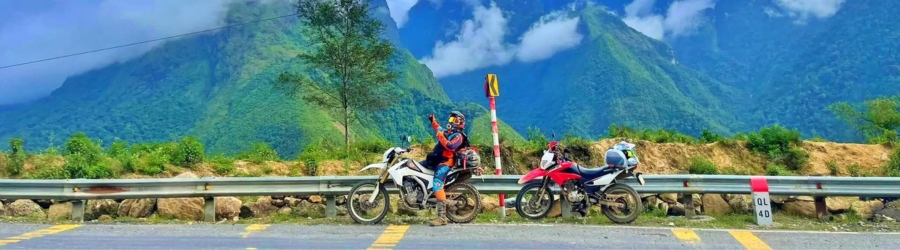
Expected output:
(217, 87)
(616, 75)
(793, 68)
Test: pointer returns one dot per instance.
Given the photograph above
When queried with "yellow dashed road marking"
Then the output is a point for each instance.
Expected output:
(749, 240)
(391, 236)
(686, 235)
(37, 234)
(254, 228)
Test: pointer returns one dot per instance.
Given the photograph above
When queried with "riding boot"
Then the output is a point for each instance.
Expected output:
(441, 214)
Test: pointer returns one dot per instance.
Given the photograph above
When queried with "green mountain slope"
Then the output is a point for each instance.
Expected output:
(216, 87)
(615, 76)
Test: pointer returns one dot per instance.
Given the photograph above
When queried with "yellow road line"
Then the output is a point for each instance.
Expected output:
(254, 228)
(686, 235)
(749, 240)
(391, 236)
(37, 234)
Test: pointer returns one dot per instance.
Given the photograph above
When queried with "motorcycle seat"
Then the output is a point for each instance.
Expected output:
(593, 172)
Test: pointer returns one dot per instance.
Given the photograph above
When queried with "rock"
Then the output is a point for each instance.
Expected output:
(741, 203)
(671, 224)
(261, 208)
(227, 207)
(490, 204)
(278, 197)
(25, 208)
(778, 199)
(310, 209)
(801, 207)
(837, 205)
(889, 213)
(714, 204)
(45, 204)
(105, 217)
(669, 198)
(137, 208)
(676, 209)
(278, 203)
(284, 210)
(60, 211)
(866, 209)
(650, 202)
(662, 206)
(181, 208)
(698, 200)
(292, 202)
(341, 210)
(246, 212)
(555, 210)
(341, 200)
(893, 204)
(315, 199)
(96, 208)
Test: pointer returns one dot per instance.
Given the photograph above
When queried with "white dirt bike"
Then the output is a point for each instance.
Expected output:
(415, 184)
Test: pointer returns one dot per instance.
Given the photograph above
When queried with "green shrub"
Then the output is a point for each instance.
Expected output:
(709, 137)
(17, 156)
(373, 146)
(80, 144)
(118, 148)
(84, 159)
(702, 165)
(48, 173)
(833, 168)
(259, 153)
(223, 165)
(780, 145)
(892, 168)
(189, 152)
(853, 170)
(777, 170)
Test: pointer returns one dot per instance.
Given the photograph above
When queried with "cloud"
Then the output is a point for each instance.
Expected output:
(553, 33)
(400, 10)
(39, 29)
(803, 9)
(481, 43)
(682, 17)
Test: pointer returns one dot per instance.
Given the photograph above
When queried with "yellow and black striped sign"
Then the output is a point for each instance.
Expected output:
(491, 87)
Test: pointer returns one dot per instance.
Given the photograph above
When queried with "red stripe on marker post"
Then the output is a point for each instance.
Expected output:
(759, 184)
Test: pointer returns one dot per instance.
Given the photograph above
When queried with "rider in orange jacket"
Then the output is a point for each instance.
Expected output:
(441, 159)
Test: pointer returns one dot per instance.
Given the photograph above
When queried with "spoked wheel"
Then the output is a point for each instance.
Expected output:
(535, 206)
(361, 210)
(626, 204)
(468, 202)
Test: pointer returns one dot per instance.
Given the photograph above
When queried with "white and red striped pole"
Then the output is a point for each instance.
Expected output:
(492, 90)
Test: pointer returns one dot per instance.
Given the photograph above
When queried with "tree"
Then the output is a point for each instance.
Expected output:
(877, 122)
(348, 60)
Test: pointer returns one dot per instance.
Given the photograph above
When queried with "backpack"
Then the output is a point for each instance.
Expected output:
(466, 156)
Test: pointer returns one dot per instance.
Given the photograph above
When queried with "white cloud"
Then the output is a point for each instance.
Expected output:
(400, 10)
(682, 17)
(553, 33)
(803, 9)
(480, 42)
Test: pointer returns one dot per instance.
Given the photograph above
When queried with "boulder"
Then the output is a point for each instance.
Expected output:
(741, 203)
(316, 199)
(837, 205)
(310, 209)
(714, 204)
(284, 210)
(25, 208)
(96, 208)
(60, 211)
(181, 208)
(866, 209)
(104, 218)
(227, 207)
(261, 208)
(490, 204)
(888, 214)
(801, 206)
(555, 210)
(669, 198)
(292, 202)
(137, 208)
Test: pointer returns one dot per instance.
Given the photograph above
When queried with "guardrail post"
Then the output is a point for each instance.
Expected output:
(688, 200)
(209, 209)
(821, 208)
(78, 210)
(330, 206)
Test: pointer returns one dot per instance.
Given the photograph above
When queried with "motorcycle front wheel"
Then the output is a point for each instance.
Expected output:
(622, 193)
(358, 202)
(527, 209)
(468, 201)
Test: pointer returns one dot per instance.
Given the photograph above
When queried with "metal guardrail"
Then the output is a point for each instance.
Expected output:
(78, 190)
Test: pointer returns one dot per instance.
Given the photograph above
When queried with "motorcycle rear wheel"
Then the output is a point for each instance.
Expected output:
(635, 210)
(472, 211)
(351, 200)
(544, 209)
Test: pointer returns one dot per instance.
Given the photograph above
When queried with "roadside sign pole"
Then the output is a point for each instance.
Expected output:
(491, 90)
(759, 187)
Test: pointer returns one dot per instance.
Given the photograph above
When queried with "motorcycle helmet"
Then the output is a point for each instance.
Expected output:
(456, 122)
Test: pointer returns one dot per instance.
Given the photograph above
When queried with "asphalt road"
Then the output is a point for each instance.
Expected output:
(473, 236)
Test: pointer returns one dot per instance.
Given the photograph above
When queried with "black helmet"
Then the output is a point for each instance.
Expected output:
(456, 122)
